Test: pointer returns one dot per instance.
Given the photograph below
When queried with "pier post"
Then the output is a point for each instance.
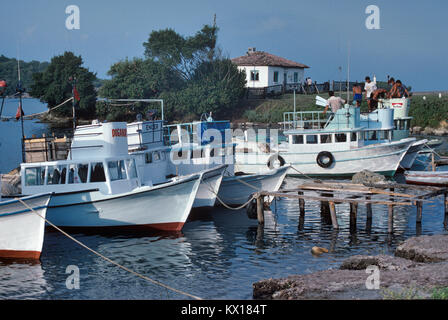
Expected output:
(445, 220)
(260, 209)
(390, 222)
(325, 209)
(334, 220)
(369, 215)
(419, 212)
(302, 211)
(353, 216)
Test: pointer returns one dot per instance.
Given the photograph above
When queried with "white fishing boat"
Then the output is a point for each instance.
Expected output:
(98, 185)
(158, 163)
(208, 144)
(330, 145)
(429, 178)
(21, 229)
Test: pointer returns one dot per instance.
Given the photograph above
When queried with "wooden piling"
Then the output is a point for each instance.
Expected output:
(390, 222)
(445, 220)
(325, 208)
(334, 219)
(419, 212)
(260, 209)
(302, 211)
(353, 216)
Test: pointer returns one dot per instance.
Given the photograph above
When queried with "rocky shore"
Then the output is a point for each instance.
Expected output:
(419, 270)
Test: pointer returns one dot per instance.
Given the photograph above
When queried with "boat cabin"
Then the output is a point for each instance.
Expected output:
(98, 159)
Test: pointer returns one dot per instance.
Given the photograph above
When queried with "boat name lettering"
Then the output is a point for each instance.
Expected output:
(119, 133)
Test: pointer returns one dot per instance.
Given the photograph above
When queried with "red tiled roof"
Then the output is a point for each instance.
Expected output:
(261, 58)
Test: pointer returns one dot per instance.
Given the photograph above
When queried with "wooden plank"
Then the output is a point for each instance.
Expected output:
(342, 200)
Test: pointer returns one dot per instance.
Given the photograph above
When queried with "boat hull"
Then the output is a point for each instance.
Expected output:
(209, 187)
(381, 158)
(164, 208)
(21, 230)
(428, 178)
(236, 190)
(412, 154)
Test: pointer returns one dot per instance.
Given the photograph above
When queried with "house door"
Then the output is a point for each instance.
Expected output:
(284, 81)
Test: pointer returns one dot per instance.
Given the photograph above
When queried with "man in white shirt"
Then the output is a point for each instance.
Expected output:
(369, 87)
(335, 103)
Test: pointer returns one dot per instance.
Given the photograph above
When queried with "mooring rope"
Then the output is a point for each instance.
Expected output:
(108, 259)
(46, 111)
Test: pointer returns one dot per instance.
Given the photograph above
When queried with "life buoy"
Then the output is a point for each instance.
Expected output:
(324, 159)
(272, 159)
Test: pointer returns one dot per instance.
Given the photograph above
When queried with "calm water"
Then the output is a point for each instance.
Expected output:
(218, 254)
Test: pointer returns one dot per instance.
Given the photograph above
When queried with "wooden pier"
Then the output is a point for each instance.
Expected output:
(330, 194)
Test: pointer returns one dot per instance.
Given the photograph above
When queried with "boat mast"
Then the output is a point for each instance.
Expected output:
(20, 90)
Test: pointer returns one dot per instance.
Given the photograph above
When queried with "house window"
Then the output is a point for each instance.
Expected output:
(296, 77)
(275, 76)
(254, 75)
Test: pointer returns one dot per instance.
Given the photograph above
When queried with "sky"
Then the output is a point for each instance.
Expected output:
(330, 36)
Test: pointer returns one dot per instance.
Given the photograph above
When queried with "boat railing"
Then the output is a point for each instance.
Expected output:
(189, 132)
(306, 120)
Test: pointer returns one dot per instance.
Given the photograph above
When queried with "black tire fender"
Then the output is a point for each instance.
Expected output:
(274, 157)
(321, 156)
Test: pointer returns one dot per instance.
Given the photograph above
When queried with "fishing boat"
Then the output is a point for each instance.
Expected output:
(330, 145)
(98, 185)
(208, 144)
(22, 227)
(157, 162)
(429, 178)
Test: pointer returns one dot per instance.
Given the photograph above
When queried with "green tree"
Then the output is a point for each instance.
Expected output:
(8, 72)
(182, 54)
(53, 86)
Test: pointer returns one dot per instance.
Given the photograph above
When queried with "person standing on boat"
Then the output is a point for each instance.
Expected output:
(357, 94)
(369, 87)
(398, 91)
(335, 103)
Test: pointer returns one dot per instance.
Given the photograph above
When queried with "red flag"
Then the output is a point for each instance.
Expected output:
(19, 112)
(76, 94)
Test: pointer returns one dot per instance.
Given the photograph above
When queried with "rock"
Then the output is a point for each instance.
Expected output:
(399, 277)
(368, 177)
(318, 250)
(416, 130)
(439, 132)
(424, 249)
(428, 131)
(384, 262)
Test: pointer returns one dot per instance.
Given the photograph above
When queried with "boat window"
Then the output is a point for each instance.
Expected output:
(212, 153)
(117, 170)
(54, 174)
(325, 138)
(371, 135)
(34, 176)
(132, 170)
(384, 135)
(297, 139)
(311, 139)
(353, 137)
(407, 124)
(77, 173)
(148, 157)
(156, 156)
(97, 172)
(340, 137)
(196, 153)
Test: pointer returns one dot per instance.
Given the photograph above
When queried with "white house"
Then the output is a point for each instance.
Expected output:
(266, 70)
